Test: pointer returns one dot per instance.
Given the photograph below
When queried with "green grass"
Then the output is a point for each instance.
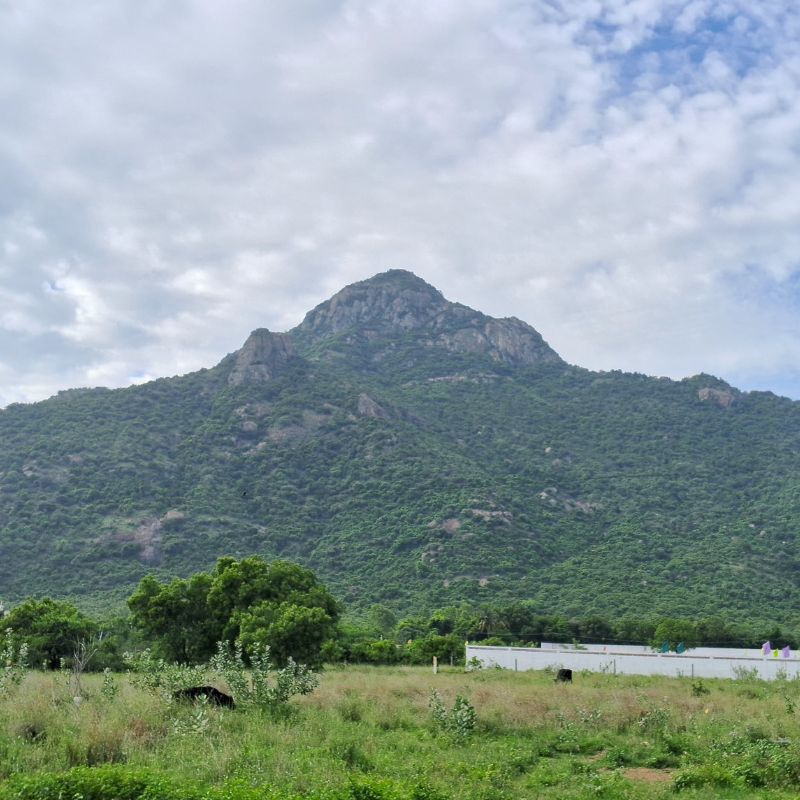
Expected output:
(368, 734)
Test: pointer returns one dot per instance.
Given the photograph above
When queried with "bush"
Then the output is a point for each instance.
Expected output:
(258, 685)
(706, 775)
(459, 722)
(13, 663)
(125, 783)
(157, 676)
(741, 760)
(97, 783)
(375, 651)
(261, 686)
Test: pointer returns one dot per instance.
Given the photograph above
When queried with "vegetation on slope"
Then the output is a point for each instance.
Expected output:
(413, 463)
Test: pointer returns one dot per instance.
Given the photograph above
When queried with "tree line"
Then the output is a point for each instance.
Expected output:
(283, 605)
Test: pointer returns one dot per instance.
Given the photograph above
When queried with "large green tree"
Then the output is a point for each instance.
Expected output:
(176, 617)
(290, 631)
(279, 604)
(52, 629)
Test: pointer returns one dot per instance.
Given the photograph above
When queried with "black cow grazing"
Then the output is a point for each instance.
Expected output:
(564, 676)
(214, 695)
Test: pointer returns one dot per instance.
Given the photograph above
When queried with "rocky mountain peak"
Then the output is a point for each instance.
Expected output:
(397, 302)
(261, 357)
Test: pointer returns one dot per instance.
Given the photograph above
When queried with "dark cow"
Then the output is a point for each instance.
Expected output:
(214, 695)
(564, 676)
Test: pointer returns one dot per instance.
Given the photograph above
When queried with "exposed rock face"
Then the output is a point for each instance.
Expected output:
(451, 525)
(147, 536)
(397, 302)
(721, 397)
(509, 340)
(261, 357)
(367, 407)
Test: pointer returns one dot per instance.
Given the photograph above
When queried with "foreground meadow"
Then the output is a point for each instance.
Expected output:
(369, 733)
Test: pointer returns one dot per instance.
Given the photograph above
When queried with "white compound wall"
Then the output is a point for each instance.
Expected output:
(701, 662)
(633, 649)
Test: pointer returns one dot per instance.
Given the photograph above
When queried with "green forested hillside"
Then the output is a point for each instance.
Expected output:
(415, 453)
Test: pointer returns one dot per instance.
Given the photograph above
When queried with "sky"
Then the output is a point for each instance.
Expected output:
(624, 175)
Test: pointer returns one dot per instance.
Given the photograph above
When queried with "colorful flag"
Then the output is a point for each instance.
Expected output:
(681, 648)
(786, 652)
(775, 653)
(766, 648)
(665, 647)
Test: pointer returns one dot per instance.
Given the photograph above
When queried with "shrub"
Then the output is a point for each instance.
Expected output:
(654, 721)
(124, 783)
(746, 674)
(459, 722)
(742, 760)
(260, 685)
(157, 676)
(110, 688)
(96, 783)
(705, 775)
(13, 663)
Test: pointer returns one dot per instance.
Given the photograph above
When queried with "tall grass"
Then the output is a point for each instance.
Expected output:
(603, 736)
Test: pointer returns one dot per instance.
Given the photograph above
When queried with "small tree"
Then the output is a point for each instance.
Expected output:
(675, 632)
(84, 651)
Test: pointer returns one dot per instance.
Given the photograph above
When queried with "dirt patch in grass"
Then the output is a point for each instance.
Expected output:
(647, 775)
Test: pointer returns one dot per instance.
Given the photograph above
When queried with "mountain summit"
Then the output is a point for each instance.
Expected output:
(397, 302)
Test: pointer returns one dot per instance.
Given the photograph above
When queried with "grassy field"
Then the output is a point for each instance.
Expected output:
(368, 734)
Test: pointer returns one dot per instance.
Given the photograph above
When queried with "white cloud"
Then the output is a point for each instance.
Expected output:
(174, 176)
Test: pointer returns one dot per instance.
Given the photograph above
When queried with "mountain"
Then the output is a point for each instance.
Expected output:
(416, 453)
